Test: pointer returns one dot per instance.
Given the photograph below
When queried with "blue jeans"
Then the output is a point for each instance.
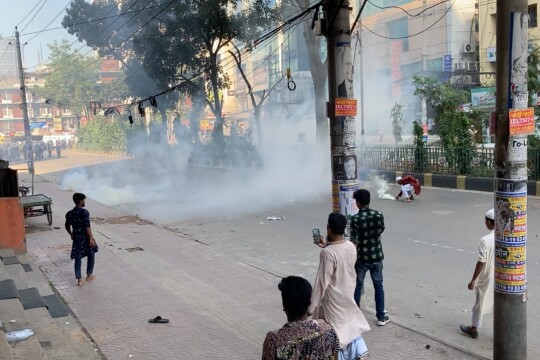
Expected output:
(89, 265)
(375, 270)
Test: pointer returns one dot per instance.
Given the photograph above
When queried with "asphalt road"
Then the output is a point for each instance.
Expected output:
(430, 245)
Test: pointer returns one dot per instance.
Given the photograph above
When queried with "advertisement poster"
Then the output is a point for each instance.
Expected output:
(510, 236)
(517, 149)
(521, 121)
(347, 203)
(345, 167)
(345, 107)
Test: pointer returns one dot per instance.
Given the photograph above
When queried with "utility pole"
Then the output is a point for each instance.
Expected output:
(424, 62)
(341, 107)
(362, 97)
(514, 122)
(24, 106)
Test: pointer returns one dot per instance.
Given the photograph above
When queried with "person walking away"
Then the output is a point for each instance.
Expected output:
(482, 280)
(78, 227)
(333, 290)
(409, 186)
(300, 337)
(366, 228)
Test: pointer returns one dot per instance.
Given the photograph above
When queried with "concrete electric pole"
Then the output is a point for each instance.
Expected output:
(27, 134)
(514, 122)
(341, 107)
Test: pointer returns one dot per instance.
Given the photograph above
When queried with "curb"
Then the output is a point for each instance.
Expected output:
(459, 182)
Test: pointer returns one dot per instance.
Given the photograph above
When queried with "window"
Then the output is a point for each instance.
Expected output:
(533, 21)
(399, 28)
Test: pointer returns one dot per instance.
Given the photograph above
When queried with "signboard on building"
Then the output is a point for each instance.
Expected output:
(521, 121)
(447, 63)
(491, 54)
(483, 98)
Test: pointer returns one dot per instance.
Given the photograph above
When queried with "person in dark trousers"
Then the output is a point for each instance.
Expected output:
(78, 227)
(366, 229)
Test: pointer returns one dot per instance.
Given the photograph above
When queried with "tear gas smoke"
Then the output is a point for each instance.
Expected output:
(161, 187)
(382, 188)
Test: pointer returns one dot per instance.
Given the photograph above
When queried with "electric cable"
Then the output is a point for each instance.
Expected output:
(57, 15)
(405, 11)
(33, 17)
(35, 6)
(412, 35)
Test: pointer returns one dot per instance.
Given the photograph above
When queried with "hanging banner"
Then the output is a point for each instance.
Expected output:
(510, 236)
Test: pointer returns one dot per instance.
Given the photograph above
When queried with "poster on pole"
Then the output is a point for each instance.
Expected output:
(345, 107)
(521, 121)
(347, 203)
(510, 236)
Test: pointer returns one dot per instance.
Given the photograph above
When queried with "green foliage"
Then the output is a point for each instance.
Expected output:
(397, 122)
(533, 82)
(420, 150)
(452, 124)
(106, 133)
(72, 79)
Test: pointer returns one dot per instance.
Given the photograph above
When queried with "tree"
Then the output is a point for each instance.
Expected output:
(71, 79)
(453, 125)
(108, 28)
(397, 122)
(187, 40)
(420, 151)
(319, 73)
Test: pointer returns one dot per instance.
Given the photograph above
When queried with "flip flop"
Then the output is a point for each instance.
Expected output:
(158, 320)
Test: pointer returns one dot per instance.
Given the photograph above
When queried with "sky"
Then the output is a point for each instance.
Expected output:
(18, 9)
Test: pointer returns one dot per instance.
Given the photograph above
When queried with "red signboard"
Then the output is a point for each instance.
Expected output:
(345, 107)
(521, 121)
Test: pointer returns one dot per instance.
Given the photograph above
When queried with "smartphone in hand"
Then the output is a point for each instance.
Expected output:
(316, 236)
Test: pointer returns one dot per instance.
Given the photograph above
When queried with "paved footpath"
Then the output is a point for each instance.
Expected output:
(219, 307)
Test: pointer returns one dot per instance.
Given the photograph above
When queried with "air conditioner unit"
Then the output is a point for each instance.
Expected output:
(467, 49)
(460, 65)
(472, 66)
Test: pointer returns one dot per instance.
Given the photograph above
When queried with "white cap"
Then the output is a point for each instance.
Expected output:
(398, 178)
(490, 214)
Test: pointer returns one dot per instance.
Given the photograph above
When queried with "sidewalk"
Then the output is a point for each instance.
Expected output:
(218, 306)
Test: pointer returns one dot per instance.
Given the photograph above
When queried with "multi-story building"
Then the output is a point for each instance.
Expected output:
(488, 37)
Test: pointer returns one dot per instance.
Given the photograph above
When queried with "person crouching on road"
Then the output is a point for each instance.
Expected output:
(332, 298)
(78, 227)
(409, 186)
(482, 280)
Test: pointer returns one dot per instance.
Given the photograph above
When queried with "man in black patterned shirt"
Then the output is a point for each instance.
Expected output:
(366, 229)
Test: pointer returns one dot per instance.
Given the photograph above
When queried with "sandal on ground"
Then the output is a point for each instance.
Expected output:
(468, 330)
(158, 320)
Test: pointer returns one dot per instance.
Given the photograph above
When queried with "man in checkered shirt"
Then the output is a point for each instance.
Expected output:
(366, 229)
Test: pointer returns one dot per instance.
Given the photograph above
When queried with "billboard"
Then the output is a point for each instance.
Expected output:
(483, 98)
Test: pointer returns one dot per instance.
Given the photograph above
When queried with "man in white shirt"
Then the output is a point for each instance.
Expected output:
(482, 280)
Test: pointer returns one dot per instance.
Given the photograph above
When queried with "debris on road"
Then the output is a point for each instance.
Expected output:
(19, 335)
(275, 218)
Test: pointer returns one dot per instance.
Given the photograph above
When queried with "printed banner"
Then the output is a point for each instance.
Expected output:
(521, 121)
(510, 236)
(345, 107)
(347, 204)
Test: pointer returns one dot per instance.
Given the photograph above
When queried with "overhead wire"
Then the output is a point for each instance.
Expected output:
(405, 11)
(27, 15)
(42, 30)
(187, 81)
(411, 35)
(33, 17)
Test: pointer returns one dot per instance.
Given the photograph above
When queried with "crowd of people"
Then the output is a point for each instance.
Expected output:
(16, 152)
(324, 322)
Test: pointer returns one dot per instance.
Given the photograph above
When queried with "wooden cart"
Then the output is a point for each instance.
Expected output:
(30, 202)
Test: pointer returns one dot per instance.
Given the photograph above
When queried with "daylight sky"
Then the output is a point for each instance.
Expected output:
(18, 9)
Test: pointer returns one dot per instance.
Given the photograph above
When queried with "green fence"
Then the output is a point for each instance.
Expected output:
(436, 160)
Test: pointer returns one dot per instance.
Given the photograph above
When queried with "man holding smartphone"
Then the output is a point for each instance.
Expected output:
(366, 229)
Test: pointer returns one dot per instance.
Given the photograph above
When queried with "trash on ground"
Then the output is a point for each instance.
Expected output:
(428, 346)
(12, 321)
(275, 218)
(19, 335)
(418, 315)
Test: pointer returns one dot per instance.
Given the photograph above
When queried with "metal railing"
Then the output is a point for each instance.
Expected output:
(434, 159)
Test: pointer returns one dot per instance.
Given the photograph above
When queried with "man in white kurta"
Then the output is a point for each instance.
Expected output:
(332, 298)
(482, 280)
